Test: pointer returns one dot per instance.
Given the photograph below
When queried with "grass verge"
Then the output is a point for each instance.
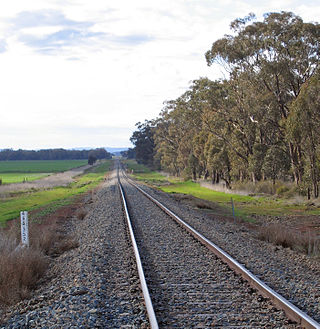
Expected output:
(295, 226)
(11, 206)
(21, 268)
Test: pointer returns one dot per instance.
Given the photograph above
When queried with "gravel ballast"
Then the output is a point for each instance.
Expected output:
(189, 286)
(96, 285)
(93, 286)
(292, 274)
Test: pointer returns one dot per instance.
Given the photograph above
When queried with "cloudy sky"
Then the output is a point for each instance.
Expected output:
(79, 73)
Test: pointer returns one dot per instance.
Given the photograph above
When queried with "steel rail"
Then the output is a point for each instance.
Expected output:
(293, 312)
(150, 311)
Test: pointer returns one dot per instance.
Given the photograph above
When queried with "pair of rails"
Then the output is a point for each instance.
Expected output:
(291, 311)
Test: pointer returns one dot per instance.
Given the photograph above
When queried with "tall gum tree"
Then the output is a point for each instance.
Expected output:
(282, 52)
(303, 124)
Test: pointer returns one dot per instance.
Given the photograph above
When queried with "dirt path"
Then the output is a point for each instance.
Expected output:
(59, 179)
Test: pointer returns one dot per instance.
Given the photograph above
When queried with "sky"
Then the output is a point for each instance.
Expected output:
(79, 73)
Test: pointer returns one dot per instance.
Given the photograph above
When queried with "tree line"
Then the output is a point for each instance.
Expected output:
(54, 154)
(261, 122)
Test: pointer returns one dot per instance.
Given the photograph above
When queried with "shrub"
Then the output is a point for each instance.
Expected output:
(278, 234)
(20, 269)
(282, 189)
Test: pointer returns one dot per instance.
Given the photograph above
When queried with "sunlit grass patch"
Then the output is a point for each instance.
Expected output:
(39, 166)
(9, 178)
(11, 206)
(245, 206)
(135, 167)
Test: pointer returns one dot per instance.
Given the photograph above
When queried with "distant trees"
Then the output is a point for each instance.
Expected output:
(143, 139)
(96, 154)
(129, 154)
(52, 154)
(263, 122)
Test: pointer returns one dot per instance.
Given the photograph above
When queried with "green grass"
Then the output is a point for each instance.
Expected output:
(10, 207)
(245, 206)
(132, 165)
(8, 178)
(143, 173)
(39, 166)
(102, 167)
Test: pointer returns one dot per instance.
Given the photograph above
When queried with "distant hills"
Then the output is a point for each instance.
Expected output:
(113, 150)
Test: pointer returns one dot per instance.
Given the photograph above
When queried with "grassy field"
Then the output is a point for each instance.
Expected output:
(246, 207)
(8, 178)
(39, 166)
(143, 173)
(19, 171)
(10, 207)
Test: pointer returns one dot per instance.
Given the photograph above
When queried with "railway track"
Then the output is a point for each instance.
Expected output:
(187, 285)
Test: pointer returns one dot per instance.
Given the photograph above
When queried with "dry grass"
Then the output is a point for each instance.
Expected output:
(280, 235)
(20, 269)
(81, 214)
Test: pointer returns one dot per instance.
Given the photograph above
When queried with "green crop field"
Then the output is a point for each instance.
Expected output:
(39, 166)
(11, 206)
(20, 171)
(8, 178)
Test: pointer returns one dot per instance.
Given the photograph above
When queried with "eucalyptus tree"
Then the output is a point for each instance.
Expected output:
(143, 139)
(282, 53)
(303, 125)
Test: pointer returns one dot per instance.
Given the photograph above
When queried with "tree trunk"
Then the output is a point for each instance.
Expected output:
(253, 177)
(194, 174)
(295, 159)
(213, 177)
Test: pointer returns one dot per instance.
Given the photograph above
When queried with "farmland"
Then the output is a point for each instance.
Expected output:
(20, 171)
(36, 166)
(11, 204)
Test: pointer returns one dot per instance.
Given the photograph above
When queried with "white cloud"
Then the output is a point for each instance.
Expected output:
(81, 65)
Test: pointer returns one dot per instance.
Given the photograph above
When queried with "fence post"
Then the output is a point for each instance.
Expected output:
(233, 214)
(24, 228)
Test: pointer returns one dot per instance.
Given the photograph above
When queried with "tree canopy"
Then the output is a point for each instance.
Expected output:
(262, 122)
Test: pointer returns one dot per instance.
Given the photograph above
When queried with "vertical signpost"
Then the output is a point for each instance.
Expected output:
(24, 228)
(233, 213)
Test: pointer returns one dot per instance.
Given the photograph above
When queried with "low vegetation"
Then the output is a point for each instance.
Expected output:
(266, 201)
(30, 170)
(9, 178)
(39, 166)
(11, 205)
(280, 235)
(22, 267)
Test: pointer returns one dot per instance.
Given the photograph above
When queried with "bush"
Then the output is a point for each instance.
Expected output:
(20, 269)
(282, 236)
(282, 189)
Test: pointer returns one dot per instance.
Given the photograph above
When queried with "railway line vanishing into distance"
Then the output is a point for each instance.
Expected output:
(189, 282)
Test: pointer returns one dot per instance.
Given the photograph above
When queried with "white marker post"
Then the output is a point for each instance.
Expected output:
(24, 228)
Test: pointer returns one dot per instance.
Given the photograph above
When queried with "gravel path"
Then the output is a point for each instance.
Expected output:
(189, 286)
(93, 286)
(293, 275)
